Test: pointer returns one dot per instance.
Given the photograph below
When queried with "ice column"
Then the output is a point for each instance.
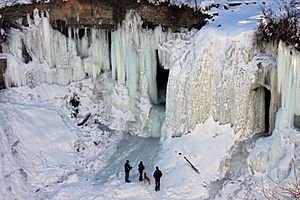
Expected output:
(133, 57)
(288, 64)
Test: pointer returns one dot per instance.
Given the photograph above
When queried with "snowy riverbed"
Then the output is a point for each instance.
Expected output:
(46, 155)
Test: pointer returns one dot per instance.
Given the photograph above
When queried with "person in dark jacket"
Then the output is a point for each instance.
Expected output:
(141, 169)
(127, 169)
(157, 175)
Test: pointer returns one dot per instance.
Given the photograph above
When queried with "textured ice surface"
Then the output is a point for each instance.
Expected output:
(288, 86)
(215, 76)
(55, 57)
(211, 73)
(59, 59)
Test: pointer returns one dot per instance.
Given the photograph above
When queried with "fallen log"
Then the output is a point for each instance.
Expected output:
(194, 168)
(85, 119)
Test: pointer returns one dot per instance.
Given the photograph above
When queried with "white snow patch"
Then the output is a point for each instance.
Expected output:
(206, 147)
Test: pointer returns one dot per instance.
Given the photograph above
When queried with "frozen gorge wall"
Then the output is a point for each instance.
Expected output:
(279, 154)
(127, 55)
(217, 75)
(134, 58)
(55, 57)
(211, 74)
(59, 59)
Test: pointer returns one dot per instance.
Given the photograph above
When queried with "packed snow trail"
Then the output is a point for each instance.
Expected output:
(134, 149)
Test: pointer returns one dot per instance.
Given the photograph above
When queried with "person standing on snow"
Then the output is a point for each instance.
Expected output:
(141, 169)
(157, 175)
(127, 169)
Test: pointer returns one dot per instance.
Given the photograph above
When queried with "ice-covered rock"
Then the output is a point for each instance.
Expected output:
(278, 155)
(214, 76)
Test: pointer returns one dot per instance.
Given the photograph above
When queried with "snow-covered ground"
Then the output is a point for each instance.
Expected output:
(42, 145)
(44, 154)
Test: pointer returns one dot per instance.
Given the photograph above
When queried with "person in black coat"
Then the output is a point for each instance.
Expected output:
(157, 175)
(141, 169)
(127, 169)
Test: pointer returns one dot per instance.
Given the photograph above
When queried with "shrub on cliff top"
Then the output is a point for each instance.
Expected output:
(280, 21)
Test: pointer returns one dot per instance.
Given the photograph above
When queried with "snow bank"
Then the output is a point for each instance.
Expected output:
(199, 4)
(42, 148)
(36, 144)
(206, 147)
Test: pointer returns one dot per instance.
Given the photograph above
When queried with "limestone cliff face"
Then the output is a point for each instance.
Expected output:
(108, 13)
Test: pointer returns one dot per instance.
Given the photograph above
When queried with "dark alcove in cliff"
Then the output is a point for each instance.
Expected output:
(162, 76)
(267, 94)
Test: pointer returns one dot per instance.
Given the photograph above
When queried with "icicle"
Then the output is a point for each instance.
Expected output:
(36, 17)
(47, 46)
(15, 73)
(133, 56)
(29, 21)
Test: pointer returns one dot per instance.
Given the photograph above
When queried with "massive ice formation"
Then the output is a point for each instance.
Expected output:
(134, 65)
(211, 74)
(55, 57)
(286, 141)
(128, 53)
(279, 154)
(133, 57)
(214, 76)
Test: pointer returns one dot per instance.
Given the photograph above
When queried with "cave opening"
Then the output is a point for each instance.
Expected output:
(109, 48)
(61, 26)
(267, 95)
(84, 31)
(162, 76)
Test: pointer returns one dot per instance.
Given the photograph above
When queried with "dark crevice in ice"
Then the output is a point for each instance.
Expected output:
(162, 76)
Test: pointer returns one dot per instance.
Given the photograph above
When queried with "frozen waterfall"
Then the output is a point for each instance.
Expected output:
(133, 57)
(129, 54)
(55, 57)
(215, 75)
(288, 85)
(211, 74)
(279, 153)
